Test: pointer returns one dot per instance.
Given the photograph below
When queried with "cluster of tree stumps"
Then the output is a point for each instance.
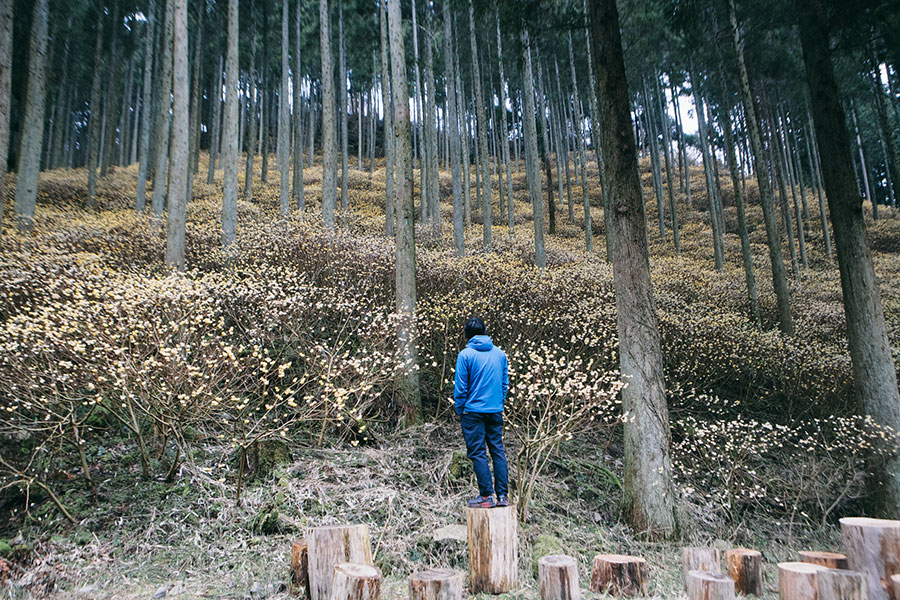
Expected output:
(335, 563)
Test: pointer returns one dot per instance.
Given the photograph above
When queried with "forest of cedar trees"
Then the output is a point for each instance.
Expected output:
(239, 240)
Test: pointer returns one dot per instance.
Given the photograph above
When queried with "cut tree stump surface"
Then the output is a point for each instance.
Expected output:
(831, 560)
(436, 584)
(797, 580)
(493, 540)
(873, 549)
(709, 585)
(355, 581)
(619, 575)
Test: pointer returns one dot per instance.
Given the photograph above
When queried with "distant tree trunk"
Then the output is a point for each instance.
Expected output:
(814, 165)
(885, 131)
(194, 114)
(252, 101)
(531, 155)
(431, 132)
(708, 157)
(670, 180)
(6, 24)
(177, 198)
(543, 109)
(481, 121)
(649, 493)
(453, 133)
(595, 131)
(862, 164)
(95, 114)
(329, 149)
(779, 282)
(163, 117)
(345, 197)
(146, 109)
(215, 98)
(419, 109)
(874, 373)
(284, 116)
(230, 150)
(466, 159)
(298, 194)
(580, 146)
(504, 131)
(111, 96)
(647, 113)
(405, 238)
(390, 200)
(33, 120)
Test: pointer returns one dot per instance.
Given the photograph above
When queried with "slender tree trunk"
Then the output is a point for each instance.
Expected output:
(430, 125)
(146, 108)
(405, 238)
(649, 493)
(252, 100)
(453, 133)
(177, 198)
(345, 197)
(284, 116)
(230, 150)
(885, 132)
(466, 159)
(95, 114)
(111, 96)
(163, 117)
(545, 153)
(531, 155)
(297, 191)
(779, 282)
(504, 98)
(6, 28)
(33, 120)
(390, 200)
(329, 149)
(874, 373)
(419, 107)
(718, 248)
(215, 98)
(653, 139)
(863, 167)
(481, 121)
(194, 114)
(670, 180)
(814, 165)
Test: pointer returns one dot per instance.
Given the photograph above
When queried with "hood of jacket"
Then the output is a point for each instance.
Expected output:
(482, 343)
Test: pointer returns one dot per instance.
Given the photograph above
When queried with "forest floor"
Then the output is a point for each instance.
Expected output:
(139, 538)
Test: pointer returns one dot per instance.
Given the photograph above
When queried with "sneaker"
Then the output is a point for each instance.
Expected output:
(502, 500)
(482, 502)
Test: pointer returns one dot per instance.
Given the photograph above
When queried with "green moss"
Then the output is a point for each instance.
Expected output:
(460, 467)
(544, 545)
(5, 549)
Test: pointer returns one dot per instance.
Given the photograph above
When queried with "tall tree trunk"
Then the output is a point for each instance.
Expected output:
(405, 238)
(284, 116)
(582, 158)
(146, 108)
(6, 24)
(230, 150)
(345, 193)
(545, 153)
(531, 154)
(649, 492)
(718, 248)
(195, 108)
(419, 107)
(329, 149)
(111, 96)
(655, 170)
(779, 282)
(389, 201)
(297, 191)
(812, 150)
(431, 132)
(481, 121)
(888, 140)
(163, 116)
(670, 180)
(215, 98)
(95, 114)
(504, 131)
(453, 133)
(874, 373)
(253, 100)
(464, 126)
(33, 120)
(863, 166)
(177, 198)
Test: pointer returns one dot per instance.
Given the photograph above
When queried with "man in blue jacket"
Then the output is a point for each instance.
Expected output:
(482, 380)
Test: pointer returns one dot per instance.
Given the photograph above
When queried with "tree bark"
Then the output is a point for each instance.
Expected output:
(453, 133)
(215, 98)
(390, 199)
(558, 576)
(146, 107)
(531, 155)
(299, 584)
(779, 282)
(872, 545)
(874, 373)
(94, 127)
(481, 122)
(619, 575)
(330, 546)
(700, 559)
(345, 197)
(33, 120)
(6, 32)
(329, 149)
(436, 584)
(177, 198)
(230, 150)
(297, 190)
(354, 581)
(405, 237)
(431, 200)
(649, 493)
(709, 585)
(163, 117)
(493, 542)
(745, 568)
(838, 584)
(797, 580)
(504, 131)
(829, 560)
(284, 116)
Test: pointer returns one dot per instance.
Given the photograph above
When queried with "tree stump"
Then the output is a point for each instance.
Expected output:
(840, 584)
(797, 580)
(300, 568)
(699, 559)
(744, 566)
(329, 546)
(829, 560)
(619, 575)
(895, 586)
(355, 581)
(873, 549)
(558, 575)
(436, 584)
(493, 538)
(708, 585)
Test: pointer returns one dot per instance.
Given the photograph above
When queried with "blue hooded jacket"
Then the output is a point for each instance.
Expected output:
(482, 377)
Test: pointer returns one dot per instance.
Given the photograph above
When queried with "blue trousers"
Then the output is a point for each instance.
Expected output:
(484, 432)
